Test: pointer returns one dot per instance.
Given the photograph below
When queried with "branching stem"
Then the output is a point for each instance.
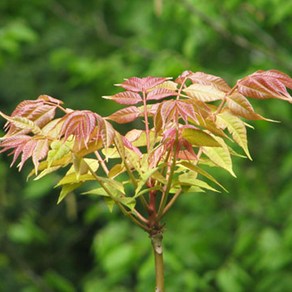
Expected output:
(101, 161)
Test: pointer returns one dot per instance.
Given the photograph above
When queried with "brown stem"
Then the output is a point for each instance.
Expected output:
(152, 209)
(171, 202)
(156, 240)
(101, 161)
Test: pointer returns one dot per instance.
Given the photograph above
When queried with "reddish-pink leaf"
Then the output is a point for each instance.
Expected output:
(26, 107)
(152, 108)
(16, 143)
(106, 132)
(186, 110)
(141, 84)
(266, 84)
(50, 99)
(240, 106)
(156, 155)
(40, 151)
(27, 151)
(42, 115)
(27, 146)
(37, 111)
(275, 74)
(184, 76)
(159, 93)
(125, 115)
(126, 97)
(130, 146)
(134, 134)
(166, 111)
(80, 124)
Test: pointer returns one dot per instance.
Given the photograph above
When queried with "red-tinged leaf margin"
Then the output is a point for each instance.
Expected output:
(125, 115)
(240, 106)
(204, 79)
(136, 84)
(266, 84)
(160, 93)
(50, 99)
(126, 98)
(14, 143)
(40, 152)
(80, 124)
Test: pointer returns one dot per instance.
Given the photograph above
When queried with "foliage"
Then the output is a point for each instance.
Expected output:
(187, 123)
(79, 50)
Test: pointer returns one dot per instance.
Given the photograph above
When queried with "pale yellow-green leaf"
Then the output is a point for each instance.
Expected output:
(143, 179)
(190, 179)
(128, 202)
(138, 137)
(110, 203)
(197, 169)
(119, 150)
(220, 156)
(66, 189)
(194, 189)
(72, 179)
(146, 191)
(58, 150)
(159, 177)
(87, 162)
(203, 92)
(80, 166)
(98, 192)
(133, 159)
(110, 153)
(236, 128)
(47, 171)
(116, 170)
(187, 178)
(167, 85)
(52, 129)
(116, 188)
(199, 138)
(22, 123)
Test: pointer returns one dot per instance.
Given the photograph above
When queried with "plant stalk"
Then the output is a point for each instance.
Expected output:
(156, 240)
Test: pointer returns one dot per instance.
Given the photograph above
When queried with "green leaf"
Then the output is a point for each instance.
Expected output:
(80, 166)
(98, 192)
(66, 189)
(46, 169)
(73, 179)
(204, 173)
(221, 157)
(190, 179)
(116, 170)
(58, 150)
(199, 138)
(236, 128)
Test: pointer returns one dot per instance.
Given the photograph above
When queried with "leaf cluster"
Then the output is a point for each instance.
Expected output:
(194, 121)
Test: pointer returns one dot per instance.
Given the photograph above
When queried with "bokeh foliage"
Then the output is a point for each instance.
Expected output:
(76, 51)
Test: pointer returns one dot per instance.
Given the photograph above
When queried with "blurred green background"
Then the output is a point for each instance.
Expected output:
(75, 51)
